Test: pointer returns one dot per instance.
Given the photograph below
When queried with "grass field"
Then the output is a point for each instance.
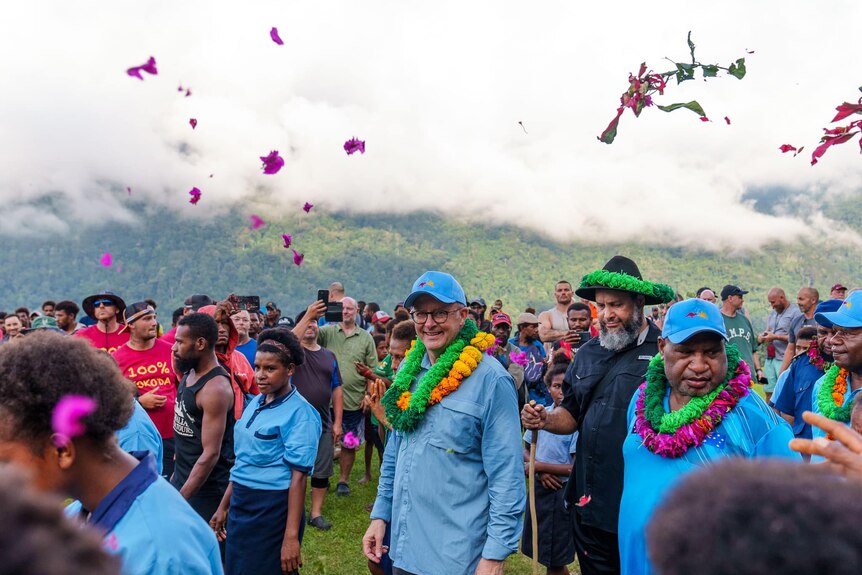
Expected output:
(339, 550)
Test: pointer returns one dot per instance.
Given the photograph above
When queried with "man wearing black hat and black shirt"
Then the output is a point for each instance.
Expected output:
(479, 306)
(598, 388)
(272, 315)
(107, 309)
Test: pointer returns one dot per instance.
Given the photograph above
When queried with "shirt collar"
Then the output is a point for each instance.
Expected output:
(114, 506)
(277, 402)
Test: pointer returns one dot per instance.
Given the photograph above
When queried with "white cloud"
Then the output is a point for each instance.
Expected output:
(436, 90)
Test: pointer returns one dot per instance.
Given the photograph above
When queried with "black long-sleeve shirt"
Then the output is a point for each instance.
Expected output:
(598, 470)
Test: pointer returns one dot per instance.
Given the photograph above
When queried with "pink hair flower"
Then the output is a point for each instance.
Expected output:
(67, 415)
(149, 68)
(307, 207)
(193, 123)
(287, 239)
(106, 260)
(195, 196)
(297, 258)
(272, 163)
(354, 145)
(275, 37)
(350, 440)
(256, 222)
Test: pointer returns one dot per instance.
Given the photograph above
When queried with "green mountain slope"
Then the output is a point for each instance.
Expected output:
(377, 257)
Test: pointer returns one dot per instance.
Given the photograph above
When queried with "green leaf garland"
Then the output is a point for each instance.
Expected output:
(622, 281)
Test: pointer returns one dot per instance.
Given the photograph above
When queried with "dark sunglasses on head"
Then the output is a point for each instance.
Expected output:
(103, 302)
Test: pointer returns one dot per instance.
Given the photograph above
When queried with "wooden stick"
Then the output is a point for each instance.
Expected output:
(533, 519)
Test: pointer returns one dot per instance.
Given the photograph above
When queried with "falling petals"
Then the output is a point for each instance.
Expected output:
(847, 109)
(307, 207)
(272, 163)
(188, 92)
(106, 260)
(704, 119)
(129, 189)
(256, 222)
(354, 145)
(726, 119)
(149, 68)
(275, 37)
(193, 123)
(787, 148)
(67, 415)
(195, 196)
(287, 239)
(297, 258)
(584, 499)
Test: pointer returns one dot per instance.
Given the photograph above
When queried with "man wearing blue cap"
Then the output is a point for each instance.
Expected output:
(833, 393)
(794, 398)
(695, 406)
(452, 483)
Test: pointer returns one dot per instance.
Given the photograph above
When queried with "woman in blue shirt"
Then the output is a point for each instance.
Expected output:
(262, 513)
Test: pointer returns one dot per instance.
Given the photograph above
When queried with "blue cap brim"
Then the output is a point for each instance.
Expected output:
(686, 334)
(828, 319)
(413, 295)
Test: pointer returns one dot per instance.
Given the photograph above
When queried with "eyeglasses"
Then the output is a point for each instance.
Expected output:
(439, 316)
(103, 302)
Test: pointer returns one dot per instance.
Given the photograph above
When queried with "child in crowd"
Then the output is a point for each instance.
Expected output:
(554, 460)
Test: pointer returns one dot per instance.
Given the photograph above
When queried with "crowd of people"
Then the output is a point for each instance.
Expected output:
(661, 434)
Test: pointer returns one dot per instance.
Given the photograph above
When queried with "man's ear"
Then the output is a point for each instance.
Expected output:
(661, 345)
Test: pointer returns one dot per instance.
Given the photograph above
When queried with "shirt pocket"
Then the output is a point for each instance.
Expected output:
(457, 426)
(266, 445)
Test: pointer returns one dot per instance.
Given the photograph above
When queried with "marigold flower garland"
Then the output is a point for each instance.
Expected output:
(406, 409)
(671, 434)
(830, 397)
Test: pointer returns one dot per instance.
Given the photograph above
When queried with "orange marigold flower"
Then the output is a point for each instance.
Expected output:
(471, 363)
(462, 368)
(473, 353)
(404, 401)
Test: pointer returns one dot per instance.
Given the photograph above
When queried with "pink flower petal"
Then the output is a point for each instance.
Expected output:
(287, 239)
(106, 260)
(180, 88)
(297, 258)
(67, 415)
(584, 499)
(275, 37)
(307, 207)
(188, 92)
(129, 189)
(704, 119)
(256, 222)
(149, 68)
(787, 148)
(272, 163)
(354, 145)
(196, 196)
(193, 122)
(726, 119)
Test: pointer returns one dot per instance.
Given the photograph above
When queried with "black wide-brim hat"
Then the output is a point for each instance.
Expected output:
(90, 309)
(622, 274)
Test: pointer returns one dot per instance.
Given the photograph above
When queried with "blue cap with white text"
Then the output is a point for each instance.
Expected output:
(439, 285)
(691, 317)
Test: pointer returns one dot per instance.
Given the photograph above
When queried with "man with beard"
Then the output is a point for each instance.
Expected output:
(806, 299)
(501, 329)
(146, 361)
(106, 308)
(833, 393)
(694, 408)
(553, 323)
(598, 388)
(65, 313)
(204, 416)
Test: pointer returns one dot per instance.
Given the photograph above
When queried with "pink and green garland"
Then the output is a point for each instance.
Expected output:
(670, 434)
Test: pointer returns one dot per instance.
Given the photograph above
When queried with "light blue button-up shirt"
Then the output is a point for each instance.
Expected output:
(453, 489)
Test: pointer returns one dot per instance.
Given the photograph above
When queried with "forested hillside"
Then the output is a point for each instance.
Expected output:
(377, 257)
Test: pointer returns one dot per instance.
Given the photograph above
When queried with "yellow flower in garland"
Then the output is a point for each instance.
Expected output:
(405, 409)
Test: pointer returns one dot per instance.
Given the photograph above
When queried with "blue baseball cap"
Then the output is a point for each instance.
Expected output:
(690, 317)
(827, 306)
(848, 314)
(439, 285)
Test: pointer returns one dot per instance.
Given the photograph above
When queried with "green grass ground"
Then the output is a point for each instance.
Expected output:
(339, 550)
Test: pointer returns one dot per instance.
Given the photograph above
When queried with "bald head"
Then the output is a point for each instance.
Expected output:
(777, 299)
(708, 295)
(806, 299)
(336, 291)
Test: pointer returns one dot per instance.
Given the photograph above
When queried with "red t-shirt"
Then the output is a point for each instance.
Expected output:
(170, 337)
(106, 341)
(152, 370)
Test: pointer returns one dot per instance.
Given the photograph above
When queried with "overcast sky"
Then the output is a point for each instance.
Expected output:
(437, 91)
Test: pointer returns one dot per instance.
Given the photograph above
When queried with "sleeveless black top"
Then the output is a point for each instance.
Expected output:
(188, 418)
